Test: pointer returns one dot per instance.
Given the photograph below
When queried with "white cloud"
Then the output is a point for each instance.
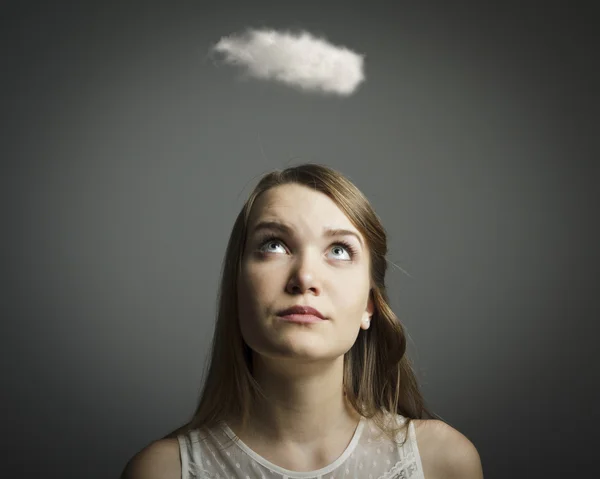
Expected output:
(300, 60)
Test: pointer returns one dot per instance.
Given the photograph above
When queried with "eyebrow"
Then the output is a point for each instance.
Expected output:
(276, 225)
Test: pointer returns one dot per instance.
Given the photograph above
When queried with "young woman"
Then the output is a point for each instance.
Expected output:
(308, 376)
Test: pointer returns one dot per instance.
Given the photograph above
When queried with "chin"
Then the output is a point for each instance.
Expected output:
(297, 350)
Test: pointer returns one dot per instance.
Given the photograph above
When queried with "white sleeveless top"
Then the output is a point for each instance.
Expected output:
(370, 455)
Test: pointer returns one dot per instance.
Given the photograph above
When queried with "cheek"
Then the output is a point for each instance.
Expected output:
(253, 300)
(350, 298)
(350, 288)
(254, 291)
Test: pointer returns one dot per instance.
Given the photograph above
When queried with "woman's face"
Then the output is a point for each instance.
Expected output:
(292, 258)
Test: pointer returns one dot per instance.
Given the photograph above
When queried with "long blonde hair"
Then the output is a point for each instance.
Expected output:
(378, 376)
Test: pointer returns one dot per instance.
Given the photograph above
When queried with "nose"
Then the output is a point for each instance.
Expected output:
(303, 278)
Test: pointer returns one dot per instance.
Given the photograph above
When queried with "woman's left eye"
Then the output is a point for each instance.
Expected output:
(342, 247)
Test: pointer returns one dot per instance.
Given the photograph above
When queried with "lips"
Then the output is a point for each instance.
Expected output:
(307, 310)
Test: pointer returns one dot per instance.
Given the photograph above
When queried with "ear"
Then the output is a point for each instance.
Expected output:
(368, 314)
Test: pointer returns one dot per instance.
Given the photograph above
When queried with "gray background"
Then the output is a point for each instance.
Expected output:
(126, 155)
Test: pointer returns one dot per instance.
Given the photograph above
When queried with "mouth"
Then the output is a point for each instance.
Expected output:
(301, 314)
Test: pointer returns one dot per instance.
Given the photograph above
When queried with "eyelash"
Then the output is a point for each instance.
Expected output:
(351, 249)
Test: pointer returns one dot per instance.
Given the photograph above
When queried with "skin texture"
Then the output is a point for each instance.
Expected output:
(302, 267)
(300, 367)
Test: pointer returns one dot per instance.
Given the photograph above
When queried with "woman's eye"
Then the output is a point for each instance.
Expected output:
(267, 246)
(340, 250)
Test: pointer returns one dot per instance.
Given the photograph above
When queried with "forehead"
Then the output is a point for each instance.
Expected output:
(299, 206)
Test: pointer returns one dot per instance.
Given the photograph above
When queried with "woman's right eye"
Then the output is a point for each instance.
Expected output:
(269, 246)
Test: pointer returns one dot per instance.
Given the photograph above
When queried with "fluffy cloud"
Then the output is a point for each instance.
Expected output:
(299, 60)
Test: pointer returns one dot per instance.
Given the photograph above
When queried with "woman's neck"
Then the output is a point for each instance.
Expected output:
(304, 405)
(300, 440)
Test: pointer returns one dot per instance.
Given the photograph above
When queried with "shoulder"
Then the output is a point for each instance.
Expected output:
(445, 452)
(159, 460)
